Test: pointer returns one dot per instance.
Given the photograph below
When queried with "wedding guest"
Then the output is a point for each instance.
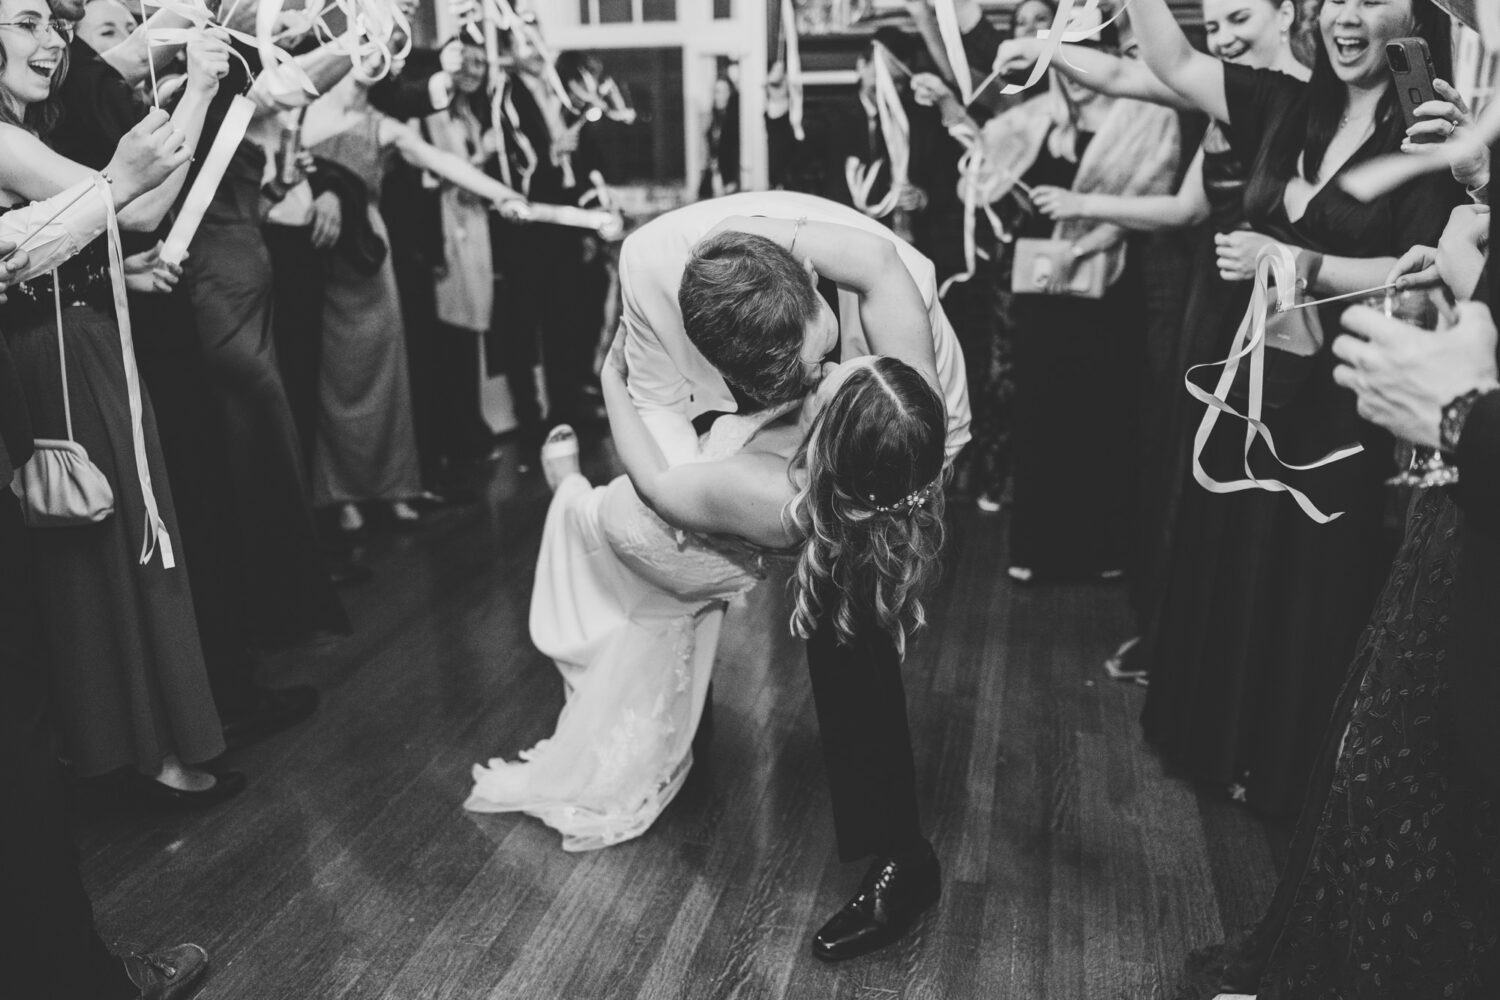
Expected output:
(538, 265)
(1392, 885)
(1074, 405)
(98, 104)
(461, 280)
(1263, 605)
(366, 444)
(1256, 33)
(128, 670)
(54, 951)
(979, 305)
(228, 278)
(721, 173)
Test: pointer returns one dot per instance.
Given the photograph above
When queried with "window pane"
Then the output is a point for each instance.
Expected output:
(723, 10)
(659, 10)
(583, 11)
(615, 12)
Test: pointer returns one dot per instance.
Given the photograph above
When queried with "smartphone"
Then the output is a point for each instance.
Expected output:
(1411, 74)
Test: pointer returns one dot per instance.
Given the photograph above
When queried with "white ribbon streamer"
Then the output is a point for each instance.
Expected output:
(155, 538)
(1053, 37)
(970, 169)
(953, 46)
(793, 60)
(895, 132)
(201, 195)
(1275, 261)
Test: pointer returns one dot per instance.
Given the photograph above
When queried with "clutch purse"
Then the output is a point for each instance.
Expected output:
(1047, 267)
(60, 485)
(1294, 338)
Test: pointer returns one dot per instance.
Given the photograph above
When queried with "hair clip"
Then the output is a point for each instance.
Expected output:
(908, 503)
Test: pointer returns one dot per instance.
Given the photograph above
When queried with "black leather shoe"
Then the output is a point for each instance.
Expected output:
(170, 974)
(271, 710)
(893, 894)
(226, 785)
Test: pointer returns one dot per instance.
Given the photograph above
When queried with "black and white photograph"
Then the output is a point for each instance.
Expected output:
(749, 500)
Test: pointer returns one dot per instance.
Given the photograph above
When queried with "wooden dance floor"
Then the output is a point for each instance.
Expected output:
(1073, 867)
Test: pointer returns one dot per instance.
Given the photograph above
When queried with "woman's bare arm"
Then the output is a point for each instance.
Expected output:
(743, 496)
(892, 312)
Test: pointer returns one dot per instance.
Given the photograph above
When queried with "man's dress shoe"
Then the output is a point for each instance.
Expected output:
(892, 895)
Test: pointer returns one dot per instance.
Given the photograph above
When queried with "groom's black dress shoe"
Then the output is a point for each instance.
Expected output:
(893, 894)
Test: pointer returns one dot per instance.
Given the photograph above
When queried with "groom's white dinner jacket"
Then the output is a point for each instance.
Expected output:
(671, 382)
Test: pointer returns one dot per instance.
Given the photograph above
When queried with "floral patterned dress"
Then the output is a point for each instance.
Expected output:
(1392, 889)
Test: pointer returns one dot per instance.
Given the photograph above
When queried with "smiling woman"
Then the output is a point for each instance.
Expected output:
(126, 661)
(33, 55)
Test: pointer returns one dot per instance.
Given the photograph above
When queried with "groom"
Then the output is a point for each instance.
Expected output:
(709, 324)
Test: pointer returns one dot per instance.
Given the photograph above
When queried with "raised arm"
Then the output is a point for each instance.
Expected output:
(742, 496)
(1196, 76)
(146, 155)
(208, 62)
(891, 308)
(1142, 213)
(128, 58)
(277, 88)
(452, 168)
(1101, 71)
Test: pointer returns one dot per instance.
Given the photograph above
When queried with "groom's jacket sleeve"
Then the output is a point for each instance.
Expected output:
(660, 391)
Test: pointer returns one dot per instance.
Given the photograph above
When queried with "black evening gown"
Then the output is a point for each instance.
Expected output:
(228, 281)
(1392, 887)
(1074, 414)
(1261, 606)
(1212, 313)
(125, 662)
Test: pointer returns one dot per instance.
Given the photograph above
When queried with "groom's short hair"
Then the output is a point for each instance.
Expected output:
(746, 304)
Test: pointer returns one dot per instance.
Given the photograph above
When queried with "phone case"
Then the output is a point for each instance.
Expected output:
(1414, 83)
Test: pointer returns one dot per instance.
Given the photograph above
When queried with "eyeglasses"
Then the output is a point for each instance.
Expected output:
(37, 28)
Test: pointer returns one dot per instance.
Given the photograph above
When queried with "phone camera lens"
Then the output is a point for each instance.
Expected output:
(1396, 56)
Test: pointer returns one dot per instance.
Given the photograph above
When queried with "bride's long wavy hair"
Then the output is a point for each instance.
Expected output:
(872, 505)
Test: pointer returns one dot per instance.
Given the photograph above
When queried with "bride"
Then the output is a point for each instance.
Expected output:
(633, 577)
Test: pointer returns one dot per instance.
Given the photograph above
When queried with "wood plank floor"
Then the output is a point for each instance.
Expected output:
(1074, 868)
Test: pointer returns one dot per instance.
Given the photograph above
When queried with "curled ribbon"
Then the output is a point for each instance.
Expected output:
(1054, 37)
(895, 131)
(371, 25)
(970, 168)
(1275, 261)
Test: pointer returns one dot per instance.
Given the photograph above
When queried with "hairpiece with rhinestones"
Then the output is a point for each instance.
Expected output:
(908, 503)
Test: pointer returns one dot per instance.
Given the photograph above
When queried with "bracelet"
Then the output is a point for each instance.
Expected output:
(792, 246)
(1456, 414)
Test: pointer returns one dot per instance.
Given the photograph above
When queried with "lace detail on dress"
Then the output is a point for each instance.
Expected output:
(629, 609)
(1393, 886)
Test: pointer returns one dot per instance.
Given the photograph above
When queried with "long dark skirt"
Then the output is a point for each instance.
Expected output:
(1076, 376)
(127, 667)
(229, 282)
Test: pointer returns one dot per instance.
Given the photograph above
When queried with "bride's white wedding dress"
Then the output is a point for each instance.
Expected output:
(629, 608)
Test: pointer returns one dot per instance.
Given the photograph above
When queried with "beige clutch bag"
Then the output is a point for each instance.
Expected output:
(1047, 267)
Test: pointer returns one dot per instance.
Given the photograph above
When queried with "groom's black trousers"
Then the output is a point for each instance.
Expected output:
(51, 951)
(861, 708)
